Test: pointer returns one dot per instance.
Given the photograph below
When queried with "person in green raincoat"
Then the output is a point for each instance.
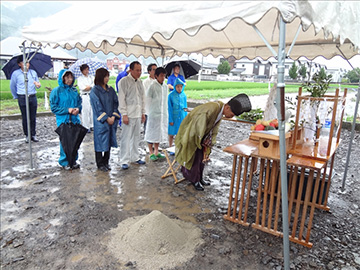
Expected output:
(197, 134)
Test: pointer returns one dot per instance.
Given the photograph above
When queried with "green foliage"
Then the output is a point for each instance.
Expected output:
(353, 75)
(321, 84)
(224, 67)
(302, 71)
(293, 71)
(5, 92)
(251, 116)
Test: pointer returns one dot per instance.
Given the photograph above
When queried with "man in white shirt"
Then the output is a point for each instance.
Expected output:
(132, 109)
(147, 82)
(85, 83)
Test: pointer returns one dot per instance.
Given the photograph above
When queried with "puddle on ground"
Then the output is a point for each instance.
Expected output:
(4, 173)
(9, 206)
(55, 222)
(21, 168)
(16, 223)
(218, 163)
(13, 183)
(54, 189)
(5, 152)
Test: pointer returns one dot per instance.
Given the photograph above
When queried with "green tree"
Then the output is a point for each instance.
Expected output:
(293, 71)
(224, 67)
(302, 72)
(320, 85)
(353, 75)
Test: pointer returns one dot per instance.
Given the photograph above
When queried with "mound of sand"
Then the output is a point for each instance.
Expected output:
(154, 241)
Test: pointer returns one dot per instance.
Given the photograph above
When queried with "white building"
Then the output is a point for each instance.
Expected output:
(265, 69)
(337, 74)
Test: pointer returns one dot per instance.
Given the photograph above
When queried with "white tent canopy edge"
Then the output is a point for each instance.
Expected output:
(160, 29)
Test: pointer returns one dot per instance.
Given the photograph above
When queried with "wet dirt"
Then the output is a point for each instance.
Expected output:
(57, 219)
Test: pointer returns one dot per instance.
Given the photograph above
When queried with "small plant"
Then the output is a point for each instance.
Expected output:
(321, 84)
(252, 115)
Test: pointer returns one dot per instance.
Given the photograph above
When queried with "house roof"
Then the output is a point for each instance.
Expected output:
(10, 46)
(238, 70)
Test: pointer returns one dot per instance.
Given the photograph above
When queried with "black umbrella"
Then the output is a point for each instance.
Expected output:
(71, 136)
(40, 63)
(188, 67)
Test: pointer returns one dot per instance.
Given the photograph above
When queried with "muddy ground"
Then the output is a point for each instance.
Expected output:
(56, 219)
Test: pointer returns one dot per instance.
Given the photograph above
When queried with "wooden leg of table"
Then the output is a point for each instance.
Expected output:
(242, 195)
(322, 188)
(232, 185)
(329, 182)
(265, 193)
(273, 181)
(166, 174)
(253, 164)
(294, 181)
(278, 196)
(298, 202)
(259, 190)
(313, 204)
(237, 187)
(306, 202)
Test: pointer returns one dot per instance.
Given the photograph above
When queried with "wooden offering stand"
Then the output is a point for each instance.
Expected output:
(308, 179)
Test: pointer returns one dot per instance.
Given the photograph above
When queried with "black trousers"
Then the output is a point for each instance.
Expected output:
(195, 174)
(145, 123)
(32, 109)
(102, 158)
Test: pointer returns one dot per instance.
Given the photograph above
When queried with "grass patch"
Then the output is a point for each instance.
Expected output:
(9, 107)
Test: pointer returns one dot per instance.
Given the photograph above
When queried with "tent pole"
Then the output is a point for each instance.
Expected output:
(353, 124)
(294, 40)
(26, 80)
(351, 137)
(280, 98)
(264, 39)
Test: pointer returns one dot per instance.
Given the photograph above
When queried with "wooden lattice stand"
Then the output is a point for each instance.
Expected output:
(309, 178)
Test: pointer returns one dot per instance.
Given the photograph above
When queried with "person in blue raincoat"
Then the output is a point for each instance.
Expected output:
(65, 102)
(177, 108)
(121, 75)
(104, 103)
(175, 75)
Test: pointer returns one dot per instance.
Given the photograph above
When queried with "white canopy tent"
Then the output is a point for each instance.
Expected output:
(241, 28)
(156, 28)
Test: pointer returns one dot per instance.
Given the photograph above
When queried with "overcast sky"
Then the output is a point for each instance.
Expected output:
(335, 62)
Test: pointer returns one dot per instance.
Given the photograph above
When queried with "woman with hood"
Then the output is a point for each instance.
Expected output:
(104, 103)
(177, 106)
(65, 103)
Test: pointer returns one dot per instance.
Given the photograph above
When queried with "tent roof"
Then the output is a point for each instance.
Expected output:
(211, 27)
(10, 46)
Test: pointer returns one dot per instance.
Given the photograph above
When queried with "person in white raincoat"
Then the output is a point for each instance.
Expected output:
(147, 82)
(132, 109)
(157, 97)
(85, 83)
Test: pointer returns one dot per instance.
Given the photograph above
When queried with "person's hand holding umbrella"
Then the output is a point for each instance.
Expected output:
(74, 111)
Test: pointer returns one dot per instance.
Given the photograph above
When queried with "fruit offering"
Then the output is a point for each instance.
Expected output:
(265, 125)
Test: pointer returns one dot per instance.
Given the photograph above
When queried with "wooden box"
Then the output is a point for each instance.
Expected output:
(269, 145)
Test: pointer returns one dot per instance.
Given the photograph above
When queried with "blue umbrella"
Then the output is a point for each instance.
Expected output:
(40, 63)
(93, 64)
